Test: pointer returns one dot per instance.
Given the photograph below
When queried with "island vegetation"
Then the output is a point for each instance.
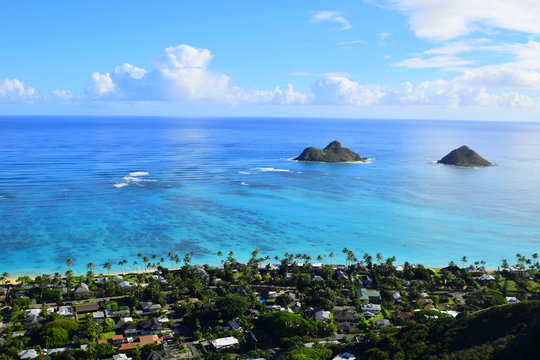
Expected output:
(464, 156)
(290, 307)
(332, 153)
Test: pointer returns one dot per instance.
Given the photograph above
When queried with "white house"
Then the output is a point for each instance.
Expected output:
(225, 343)
(512, 299)
(372, 308)
(28, 354)
(486, 277)
(322, 315)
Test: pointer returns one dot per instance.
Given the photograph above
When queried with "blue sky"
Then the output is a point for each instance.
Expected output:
(464, 59)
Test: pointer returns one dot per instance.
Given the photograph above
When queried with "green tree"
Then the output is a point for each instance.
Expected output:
(231, 306)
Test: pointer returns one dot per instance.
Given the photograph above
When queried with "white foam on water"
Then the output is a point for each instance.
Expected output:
(273, 169)
(244, 172)
(139, 173)
(120, 185)
(244, 183)
(135, 179)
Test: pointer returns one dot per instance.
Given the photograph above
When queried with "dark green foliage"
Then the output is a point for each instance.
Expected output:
(315, 353)
(333, 152)
(502, 332)
(231, 306)
(284, 300)
(284, 324)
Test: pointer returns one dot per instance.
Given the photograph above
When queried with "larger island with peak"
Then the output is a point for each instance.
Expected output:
(332, 153)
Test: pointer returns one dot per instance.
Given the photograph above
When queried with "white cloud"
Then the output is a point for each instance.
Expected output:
(285, 96)
(450, 19)
(448, 62)
(383, 37)
(454, 93)
(100, 85)
(332, 16)
(352, 42)
(341, 90)
(181, 74)
(14, 90)
(503, 78)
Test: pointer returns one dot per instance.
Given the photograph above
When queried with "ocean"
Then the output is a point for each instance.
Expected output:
(103, 189)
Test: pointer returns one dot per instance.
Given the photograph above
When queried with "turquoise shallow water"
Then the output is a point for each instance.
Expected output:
(212, 185)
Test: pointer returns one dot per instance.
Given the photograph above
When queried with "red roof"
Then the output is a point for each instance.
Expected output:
(117, 337)
(102, 341)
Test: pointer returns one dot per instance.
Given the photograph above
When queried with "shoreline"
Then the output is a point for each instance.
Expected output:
(12, 279)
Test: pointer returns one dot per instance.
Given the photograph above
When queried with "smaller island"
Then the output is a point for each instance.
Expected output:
(332, 153)
(464, 156)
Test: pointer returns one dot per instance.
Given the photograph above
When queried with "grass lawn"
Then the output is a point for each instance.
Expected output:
(107, 335)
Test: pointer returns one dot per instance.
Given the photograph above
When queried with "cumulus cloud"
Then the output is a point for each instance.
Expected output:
(450, 19)
(283, 96)
(454, 93)
(181, 74)
(341, 90)
(14, 90)
(332, 16)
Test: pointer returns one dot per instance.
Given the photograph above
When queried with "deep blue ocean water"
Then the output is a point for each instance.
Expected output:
(212, 184)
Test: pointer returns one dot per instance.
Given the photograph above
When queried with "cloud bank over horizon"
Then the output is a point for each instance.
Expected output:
(459, 62)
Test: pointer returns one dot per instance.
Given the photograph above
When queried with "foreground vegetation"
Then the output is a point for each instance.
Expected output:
(293, 308)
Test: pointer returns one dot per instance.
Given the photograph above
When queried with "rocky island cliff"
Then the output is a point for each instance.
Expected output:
(333, 153)
(464, 156)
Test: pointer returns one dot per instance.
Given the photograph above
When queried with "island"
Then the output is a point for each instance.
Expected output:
(464, 156)
(332, 153)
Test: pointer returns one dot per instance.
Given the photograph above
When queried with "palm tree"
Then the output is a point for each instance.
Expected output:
(107, 265)
(3, 277)
(379, 257)
(121, 263)
(463, 261)
(90, 266)
(331, 256)
(69, 262)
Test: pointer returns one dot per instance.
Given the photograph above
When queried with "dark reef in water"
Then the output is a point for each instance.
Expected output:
(464, 156)
(334, 152)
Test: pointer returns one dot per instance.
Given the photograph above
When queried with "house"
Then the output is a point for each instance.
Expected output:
(346, 319)
(121, 357)
(345, 356)
(397, 296)
(32, 313)
(157, 355)
(28, 354)
(225, 343)
(486, 277)
(149, 307)
(126, 285)
(84, 309)
(368, 295)
(322, 315)
(99, 316)
(383, 323)
(512, 299)
(123, 321)
(118, 313)
(65, 310)
(81, 288)
(141, 341)
(252, 313)
(372, 308)
(117, 339)
(317, 278)
(149, 326)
